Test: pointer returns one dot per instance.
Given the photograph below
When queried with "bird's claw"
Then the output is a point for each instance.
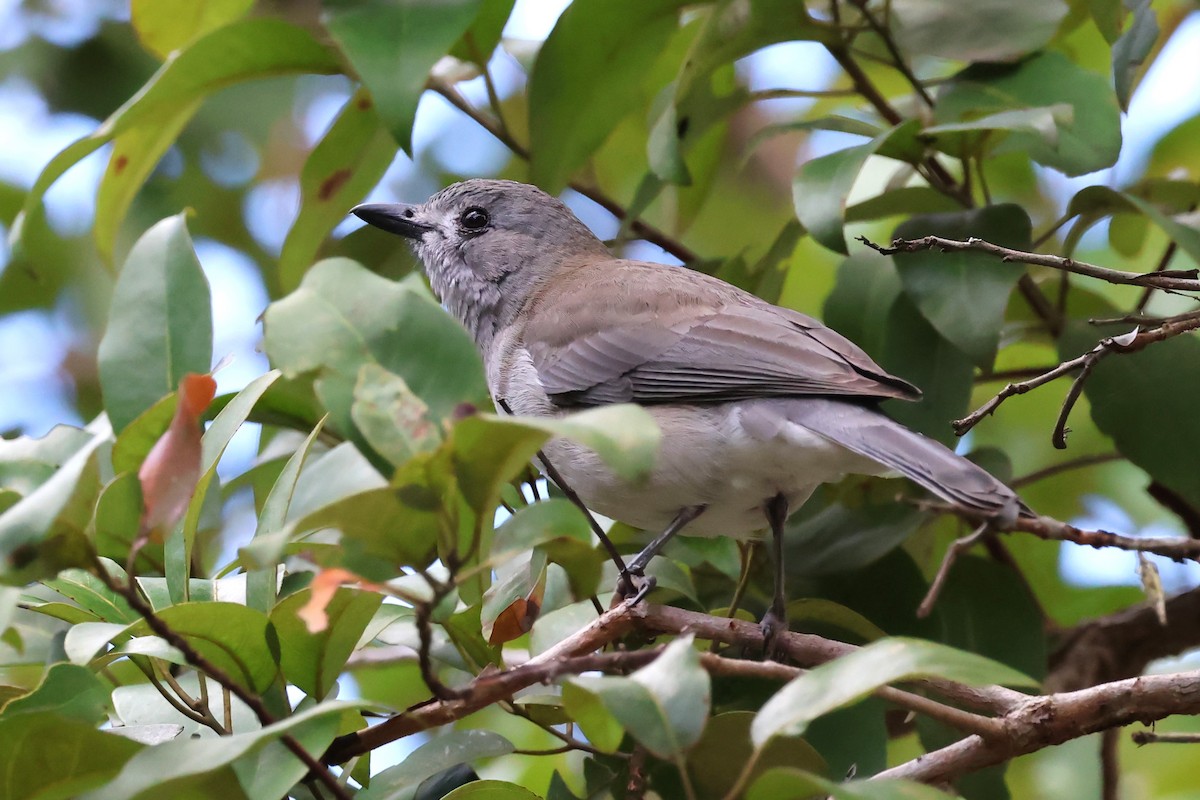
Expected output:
(773, 625)
(633, 587)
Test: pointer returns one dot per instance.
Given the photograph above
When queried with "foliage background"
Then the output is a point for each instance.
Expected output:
(265, 178)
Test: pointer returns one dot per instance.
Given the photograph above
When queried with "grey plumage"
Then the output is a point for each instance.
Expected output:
(562, 325)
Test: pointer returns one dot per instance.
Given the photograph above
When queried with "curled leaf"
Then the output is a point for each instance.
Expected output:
(324, 587)
(171, 470)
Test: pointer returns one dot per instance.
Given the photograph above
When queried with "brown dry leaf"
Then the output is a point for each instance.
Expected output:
(324, 587)
(172, 468)
(516, 620)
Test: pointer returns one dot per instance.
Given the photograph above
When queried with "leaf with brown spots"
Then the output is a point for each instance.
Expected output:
(342, 168)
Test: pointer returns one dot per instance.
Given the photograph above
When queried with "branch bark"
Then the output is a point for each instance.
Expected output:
(1053, 719)
(1179, 280)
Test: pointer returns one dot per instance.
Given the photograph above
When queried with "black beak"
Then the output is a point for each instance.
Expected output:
(396, 218)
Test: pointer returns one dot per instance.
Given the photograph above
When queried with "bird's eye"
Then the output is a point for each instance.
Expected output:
(474, 219)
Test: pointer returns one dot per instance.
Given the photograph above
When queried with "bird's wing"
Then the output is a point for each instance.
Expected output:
(629, 331)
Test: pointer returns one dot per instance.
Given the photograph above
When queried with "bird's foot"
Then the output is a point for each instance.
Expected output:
(774, 625)
(634, 586)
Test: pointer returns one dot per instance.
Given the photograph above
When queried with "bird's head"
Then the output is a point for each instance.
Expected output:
(479, 232)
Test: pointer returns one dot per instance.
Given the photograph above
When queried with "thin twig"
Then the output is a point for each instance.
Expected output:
(1065, 466)
(1173, 280)
(885, 34)
(1128, 343)
(164, 631)
(1150, 737)
(1050, 529)
(957, 548)
(1110, 767)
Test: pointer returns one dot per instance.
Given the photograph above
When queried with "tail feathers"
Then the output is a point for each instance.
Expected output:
(929, 463)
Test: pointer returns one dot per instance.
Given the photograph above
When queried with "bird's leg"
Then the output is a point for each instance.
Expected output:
(774, 623)
(637, 567)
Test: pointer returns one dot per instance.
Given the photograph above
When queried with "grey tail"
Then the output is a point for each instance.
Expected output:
(929, 463)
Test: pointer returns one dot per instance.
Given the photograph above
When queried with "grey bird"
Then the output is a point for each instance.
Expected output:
(758, 405)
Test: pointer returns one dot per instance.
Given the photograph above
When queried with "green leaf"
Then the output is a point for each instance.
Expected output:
(200, 766)
(854, 676)
(439, 753)
(1123, 386)
(964, 295)
(663, 705)
(68, 690)
(625, 436)
(267, 544)
(393, 420)
(166, 25)
(1130, 51)
(347, 162)
(822, 185)
(830, 534)
(90, 593)
(479, 41)
(45, 531)
(491, 790)
(48, 757)
(343, 316)
(26, 462)
(588, 76)
(982, 30)
(241, 51)
(787, 783)
(1091, 140)
(160, 326)
(234, 638)
(313, 661)
(869, 306)
(985, 608)
(135, 153)
(722, 752)
(393, 46)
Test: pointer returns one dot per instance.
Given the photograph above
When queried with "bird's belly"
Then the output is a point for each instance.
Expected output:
(723, 457)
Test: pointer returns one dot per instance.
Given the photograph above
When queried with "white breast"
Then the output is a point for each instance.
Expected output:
(730, 457)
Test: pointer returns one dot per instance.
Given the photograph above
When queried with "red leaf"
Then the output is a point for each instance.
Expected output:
(171, 470)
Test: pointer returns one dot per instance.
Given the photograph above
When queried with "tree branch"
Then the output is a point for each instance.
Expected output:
(1128, 343)
(1050, 529)
(1122, 644)
(1180, 280)
(1053, 719)
(132, 596)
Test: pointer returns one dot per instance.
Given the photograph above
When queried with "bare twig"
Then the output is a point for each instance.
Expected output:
(1128, 343)
(1110, 766)
(1150, 737)
(1172, 280)
(1050, 529)
(885, 34)
(956, 548)
(1065, 466)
